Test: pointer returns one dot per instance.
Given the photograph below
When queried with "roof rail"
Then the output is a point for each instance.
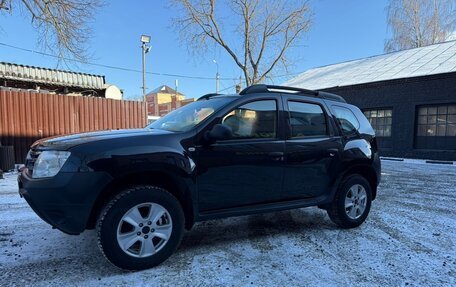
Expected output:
(272, 88)
(331, 97)
(261, 88)
(208, 96)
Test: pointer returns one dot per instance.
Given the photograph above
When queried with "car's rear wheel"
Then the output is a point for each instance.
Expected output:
(140, 228)
(352, 202)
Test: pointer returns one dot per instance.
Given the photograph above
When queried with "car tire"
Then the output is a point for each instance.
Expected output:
(148, 214)
(351, 203)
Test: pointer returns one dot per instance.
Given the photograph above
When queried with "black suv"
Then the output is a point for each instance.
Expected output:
(267, 149)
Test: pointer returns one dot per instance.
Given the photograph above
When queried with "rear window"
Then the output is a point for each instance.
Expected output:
(347, 120)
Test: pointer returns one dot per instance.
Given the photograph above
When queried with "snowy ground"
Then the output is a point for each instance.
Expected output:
(408, 239)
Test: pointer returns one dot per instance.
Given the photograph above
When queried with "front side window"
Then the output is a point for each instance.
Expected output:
(347, 120)
(380, 120)
(437, 120)
(253, 120)
(306, 120)
(188, 116)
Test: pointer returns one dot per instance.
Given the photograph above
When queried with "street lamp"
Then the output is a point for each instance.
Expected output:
(145, 49)
(217, 78)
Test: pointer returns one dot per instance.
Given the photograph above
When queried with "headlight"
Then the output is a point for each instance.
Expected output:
(49, 163)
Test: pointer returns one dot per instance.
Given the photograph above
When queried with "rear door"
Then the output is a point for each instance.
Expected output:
(311, 149)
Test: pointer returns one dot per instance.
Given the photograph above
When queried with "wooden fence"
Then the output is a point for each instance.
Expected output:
(28, 116)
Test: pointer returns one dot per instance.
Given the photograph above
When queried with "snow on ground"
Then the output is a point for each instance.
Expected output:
(408, 239)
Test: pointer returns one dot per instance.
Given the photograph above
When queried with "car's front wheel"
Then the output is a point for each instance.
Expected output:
(140, 228)
(352, 202)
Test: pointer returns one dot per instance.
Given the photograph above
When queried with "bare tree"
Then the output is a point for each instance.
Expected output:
(62, 25)
(256, 34)
(417, 23)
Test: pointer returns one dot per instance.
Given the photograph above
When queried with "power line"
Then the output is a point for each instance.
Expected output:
(227, 88)
(134, 70)
(114, 67)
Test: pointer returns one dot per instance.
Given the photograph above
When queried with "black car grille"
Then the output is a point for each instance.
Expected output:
(31, 159)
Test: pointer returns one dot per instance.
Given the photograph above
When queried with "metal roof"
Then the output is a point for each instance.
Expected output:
(423, 61)
(165, 90)
(33, 74)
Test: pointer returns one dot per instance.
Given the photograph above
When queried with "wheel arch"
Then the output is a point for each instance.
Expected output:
(174, 184)
(366, 171)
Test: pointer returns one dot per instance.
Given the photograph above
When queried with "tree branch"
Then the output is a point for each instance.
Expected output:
(260, 24)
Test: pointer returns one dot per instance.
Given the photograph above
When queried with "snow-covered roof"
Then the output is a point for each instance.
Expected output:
(164, 89)
(423, 61)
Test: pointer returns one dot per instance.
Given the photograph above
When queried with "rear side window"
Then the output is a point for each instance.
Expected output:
(347, 120)
(306, 120)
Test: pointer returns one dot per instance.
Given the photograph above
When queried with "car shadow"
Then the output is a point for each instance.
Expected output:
(214, 233)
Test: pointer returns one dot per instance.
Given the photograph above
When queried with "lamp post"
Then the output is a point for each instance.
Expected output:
(145, 40)
(217, 77)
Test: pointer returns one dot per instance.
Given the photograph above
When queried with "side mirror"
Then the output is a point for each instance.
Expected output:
(219, 132)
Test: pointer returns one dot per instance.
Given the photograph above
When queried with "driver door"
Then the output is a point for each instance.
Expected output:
(248, 168)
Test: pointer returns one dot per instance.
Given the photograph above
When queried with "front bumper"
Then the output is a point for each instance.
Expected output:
(65, 200)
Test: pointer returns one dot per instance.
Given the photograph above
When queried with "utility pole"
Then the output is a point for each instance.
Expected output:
(176, 83)
(217, 78)
(239, 86)
(217, 86)
(145, 40)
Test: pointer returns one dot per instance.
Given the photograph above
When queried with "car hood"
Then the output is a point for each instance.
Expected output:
(68, 141)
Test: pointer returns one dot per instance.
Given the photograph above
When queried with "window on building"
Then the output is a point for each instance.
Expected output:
(253, 120)
(306, 120)
(437, 120)
(380, 120)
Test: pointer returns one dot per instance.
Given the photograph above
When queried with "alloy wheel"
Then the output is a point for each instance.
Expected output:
(355, 201)
(144, 230)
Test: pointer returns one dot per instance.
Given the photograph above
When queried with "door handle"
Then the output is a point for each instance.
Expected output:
(276, 156)
(332, 152)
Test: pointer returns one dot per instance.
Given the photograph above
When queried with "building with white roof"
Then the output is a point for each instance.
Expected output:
(409, 97)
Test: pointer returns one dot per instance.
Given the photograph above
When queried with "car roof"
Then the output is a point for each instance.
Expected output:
(271, 89)
(218, 96)
(291, 90)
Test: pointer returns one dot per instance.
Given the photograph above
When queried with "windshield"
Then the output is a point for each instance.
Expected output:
(187, 117)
